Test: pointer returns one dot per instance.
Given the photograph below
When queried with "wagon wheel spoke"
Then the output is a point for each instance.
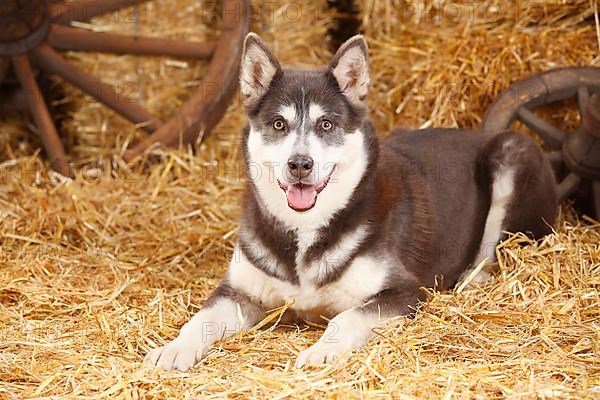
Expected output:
(84, 10)
(583, 96)
(551, 134)
(555, 158)
(41, 116)
(67, 38)
(205, 107)
(567, 186)
(52, 62)
(3, 68)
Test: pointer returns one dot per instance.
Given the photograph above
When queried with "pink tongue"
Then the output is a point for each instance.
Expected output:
(301, 197)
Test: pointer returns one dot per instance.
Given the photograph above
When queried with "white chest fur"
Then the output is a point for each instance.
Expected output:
(332, 259)
(363, 278)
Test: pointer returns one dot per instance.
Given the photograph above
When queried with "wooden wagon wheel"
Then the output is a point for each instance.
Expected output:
(31, 32)
(575, 156)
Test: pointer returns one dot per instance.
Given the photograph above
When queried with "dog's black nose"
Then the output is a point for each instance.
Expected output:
(300, 166)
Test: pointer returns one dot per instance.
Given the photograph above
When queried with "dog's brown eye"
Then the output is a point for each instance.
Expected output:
(278, 124)
(326, 125)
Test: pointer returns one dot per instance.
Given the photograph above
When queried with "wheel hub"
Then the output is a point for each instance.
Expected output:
(22, 27)
(581, 151)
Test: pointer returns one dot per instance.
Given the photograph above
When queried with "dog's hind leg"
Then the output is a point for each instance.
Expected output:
(533, 208)
(520, 183)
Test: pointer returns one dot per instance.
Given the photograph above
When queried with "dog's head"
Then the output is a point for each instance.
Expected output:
(309, 138)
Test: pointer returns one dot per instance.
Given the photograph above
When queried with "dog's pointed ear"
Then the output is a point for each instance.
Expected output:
(350, 67)
(258, 68)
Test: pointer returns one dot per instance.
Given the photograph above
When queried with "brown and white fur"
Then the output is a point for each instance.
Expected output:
(349, 228)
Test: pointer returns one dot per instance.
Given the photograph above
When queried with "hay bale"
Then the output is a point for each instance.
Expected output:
(97, 271)
(442, 63)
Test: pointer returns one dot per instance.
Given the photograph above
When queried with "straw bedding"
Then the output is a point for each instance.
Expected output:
(97, 271)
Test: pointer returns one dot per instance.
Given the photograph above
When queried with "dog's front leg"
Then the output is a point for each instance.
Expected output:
(226, 312)
(353, 328)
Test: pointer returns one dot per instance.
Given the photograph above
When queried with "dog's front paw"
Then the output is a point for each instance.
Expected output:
(320, 353)
(180, 354)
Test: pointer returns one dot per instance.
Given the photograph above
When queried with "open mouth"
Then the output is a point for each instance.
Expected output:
(303, 197)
